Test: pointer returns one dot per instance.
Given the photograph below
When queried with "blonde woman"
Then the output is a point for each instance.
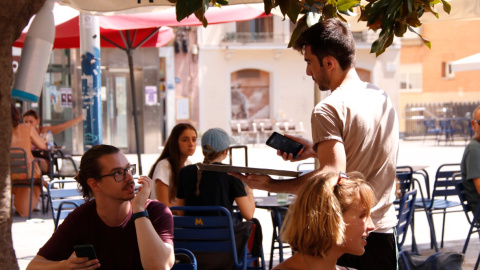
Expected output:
(208, 188)
(330, 217)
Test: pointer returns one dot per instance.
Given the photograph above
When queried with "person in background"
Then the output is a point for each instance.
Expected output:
(31, 117)
(208, 188)
(24, 136)
(354, 129)
(181, 144)
(127, 230)
(470, 165)
(330, 217)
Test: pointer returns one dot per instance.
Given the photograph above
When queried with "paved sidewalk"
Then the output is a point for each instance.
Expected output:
(29, 236)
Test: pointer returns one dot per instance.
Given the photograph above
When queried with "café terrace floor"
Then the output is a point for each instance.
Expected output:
(29, 236)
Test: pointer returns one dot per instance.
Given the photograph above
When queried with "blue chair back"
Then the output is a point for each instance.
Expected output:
(405, 214)
(184, 260)
(64, 197)
(444, 187)
(207, 233)
(404, 176)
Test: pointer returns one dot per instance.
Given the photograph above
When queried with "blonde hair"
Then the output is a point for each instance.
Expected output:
(314, 223)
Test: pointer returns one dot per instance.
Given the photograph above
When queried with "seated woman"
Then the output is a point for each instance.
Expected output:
(330, 217)
(209, 188)
(24, 136)
(180, 145)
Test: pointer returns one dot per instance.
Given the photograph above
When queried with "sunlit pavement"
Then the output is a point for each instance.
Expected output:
(29, 236)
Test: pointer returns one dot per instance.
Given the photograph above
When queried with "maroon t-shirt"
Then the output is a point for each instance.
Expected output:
(116, 247)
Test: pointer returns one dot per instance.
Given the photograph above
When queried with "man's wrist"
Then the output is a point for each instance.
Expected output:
(141, 214)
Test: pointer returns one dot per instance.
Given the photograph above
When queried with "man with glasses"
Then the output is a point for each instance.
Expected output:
(127, 231)
(470, 165)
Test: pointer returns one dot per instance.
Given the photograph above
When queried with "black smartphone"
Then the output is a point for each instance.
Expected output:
(284, 144)
(85, 251)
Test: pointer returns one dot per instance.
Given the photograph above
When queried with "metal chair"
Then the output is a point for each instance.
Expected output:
(63, 199)
(210, 234)
(472, 217)
(277, 219)
(405, 213)
(19, 166)
(441, 199)
(431, 128)
(184, 260)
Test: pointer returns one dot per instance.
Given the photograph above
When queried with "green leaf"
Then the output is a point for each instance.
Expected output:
(400, 28)
(345, 5)
(329, 11)
(446, 6)
(385, 46)
(268, 5)
(425, 41)
(299, 28)
(200, 14)
(393, 6)
(295, 9)
(412, 20)
(185, 8)
(222, 2)
(284, 6)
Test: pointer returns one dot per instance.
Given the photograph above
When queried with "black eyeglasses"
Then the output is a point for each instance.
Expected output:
(120, 174)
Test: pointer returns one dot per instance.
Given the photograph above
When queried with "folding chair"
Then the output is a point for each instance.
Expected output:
(184, 260)
(63, 198)
(405, 213)
(441, 199)
(19, 166)
(472, 217)
(210, 234)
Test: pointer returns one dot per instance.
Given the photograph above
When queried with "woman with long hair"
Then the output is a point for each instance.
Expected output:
(330, 217)
(24, 136)
(209, 188)
(181, 144)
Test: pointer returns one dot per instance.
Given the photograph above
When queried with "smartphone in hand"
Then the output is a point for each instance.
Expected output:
(284, 144)
(85, 251)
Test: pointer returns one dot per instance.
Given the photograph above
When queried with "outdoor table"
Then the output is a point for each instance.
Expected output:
(270, 203)
(51, 156)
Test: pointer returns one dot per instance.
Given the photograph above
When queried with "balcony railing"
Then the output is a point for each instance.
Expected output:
(248, 37)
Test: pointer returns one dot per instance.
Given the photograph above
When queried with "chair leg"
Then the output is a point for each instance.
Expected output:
(31, 199)
(443, 227)
(433, 237)
(270, 263)
(467, 240)
(478, 261)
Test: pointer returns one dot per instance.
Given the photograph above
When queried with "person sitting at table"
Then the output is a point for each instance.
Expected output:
(126, 229)
(24, 136)
(208, 188)
(330, 217)
(181, 144)
(470, 165)
(31, 117)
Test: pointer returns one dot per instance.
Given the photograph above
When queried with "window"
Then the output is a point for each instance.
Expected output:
(411, 77)
(447, 71)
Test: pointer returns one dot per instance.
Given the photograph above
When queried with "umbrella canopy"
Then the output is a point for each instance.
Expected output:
(67, 35)
(466, 64)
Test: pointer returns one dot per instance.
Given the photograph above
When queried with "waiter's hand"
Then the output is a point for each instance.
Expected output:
(308, 152)
(254, 181)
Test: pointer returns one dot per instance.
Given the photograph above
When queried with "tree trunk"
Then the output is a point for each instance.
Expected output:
(14, 16)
